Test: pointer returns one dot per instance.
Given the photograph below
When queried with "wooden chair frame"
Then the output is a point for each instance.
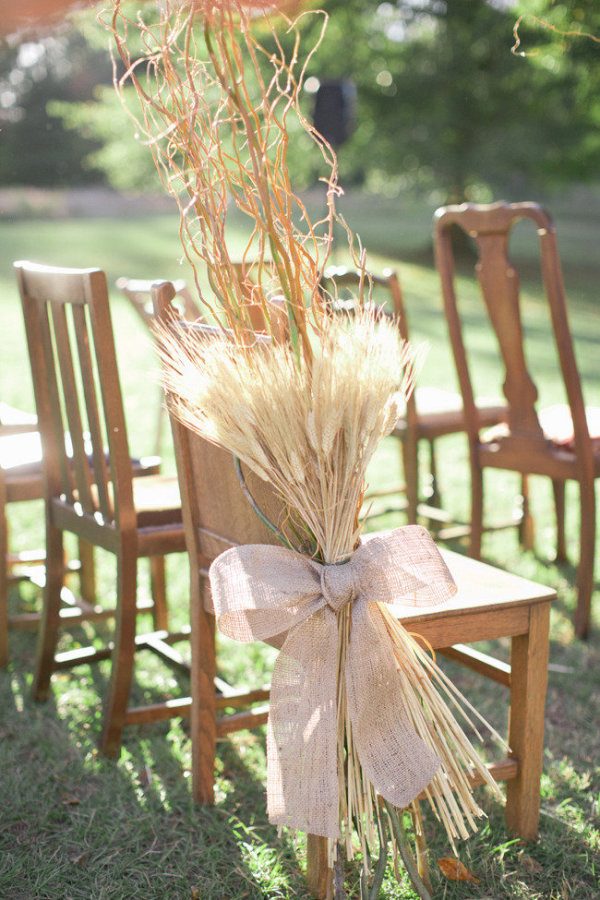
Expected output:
(524, 448)
(491, 604)
(91, 494)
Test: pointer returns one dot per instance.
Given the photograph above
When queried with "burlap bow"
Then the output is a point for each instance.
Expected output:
(262, 592)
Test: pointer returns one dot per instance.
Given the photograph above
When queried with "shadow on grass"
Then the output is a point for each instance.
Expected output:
(559, 864)
(76, 825)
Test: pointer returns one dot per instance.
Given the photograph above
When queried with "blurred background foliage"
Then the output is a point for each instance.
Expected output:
(442, 103)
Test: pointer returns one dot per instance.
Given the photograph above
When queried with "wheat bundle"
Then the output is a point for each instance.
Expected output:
(311, 435)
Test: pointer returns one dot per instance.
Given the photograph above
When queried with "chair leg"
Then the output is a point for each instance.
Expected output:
(585, 569)
(203, 721)
(50, 619)
(3, 583)
(87, 572)
(410, 463)
(476, 510)
(526, 523)
(558, 488)
(160, 424)
(434, 498)
(529, 665)
(158, 585)
(123, 654)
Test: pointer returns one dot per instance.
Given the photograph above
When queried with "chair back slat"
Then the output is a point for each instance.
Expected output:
(76, 383)
(50, 409)
(112, 402)
(71, 406)
(490, 226)
(101, 476)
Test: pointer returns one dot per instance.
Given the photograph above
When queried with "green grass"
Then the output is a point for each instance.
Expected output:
(73, 825)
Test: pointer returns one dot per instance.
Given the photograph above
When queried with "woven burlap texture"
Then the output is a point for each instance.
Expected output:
(260, 591)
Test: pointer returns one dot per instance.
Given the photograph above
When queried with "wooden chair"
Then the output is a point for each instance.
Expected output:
(92, 493)
(21, 479)
(431, 413)
(556, 443)
(137, 292)
(489, 604)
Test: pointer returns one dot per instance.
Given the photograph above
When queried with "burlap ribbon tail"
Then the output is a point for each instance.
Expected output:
(262, 592)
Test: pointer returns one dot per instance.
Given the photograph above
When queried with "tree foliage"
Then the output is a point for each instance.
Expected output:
(36, 148)
(561, 40)
(441, 101)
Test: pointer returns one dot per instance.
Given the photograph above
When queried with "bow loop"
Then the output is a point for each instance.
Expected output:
(403, 566)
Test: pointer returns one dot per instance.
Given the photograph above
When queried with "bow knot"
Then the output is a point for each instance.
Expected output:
(262, 592)
(337, 585)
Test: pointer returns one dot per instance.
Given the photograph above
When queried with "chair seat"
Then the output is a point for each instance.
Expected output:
(485, 599)
(157, 504)
(157, 501)
(482, 589)
(21, 453)
(440, 412)
(21, 464)
(13, 420)
(557, 426)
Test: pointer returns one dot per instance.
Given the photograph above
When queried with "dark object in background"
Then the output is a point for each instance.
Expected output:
(333, 115)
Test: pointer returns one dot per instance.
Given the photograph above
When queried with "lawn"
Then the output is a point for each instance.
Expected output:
(73, 825)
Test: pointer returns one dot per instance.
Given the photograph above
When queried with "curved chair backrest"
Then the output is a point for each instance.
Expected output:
(216, 513)
(138, 292)
(77, 391)
(336, 280)
(490, 226)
